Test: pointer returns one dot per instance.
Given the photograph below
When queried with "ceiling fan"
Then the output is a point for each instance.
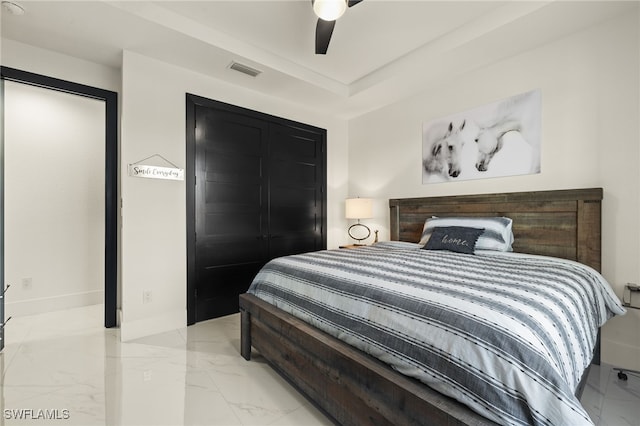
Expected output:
(328, 11)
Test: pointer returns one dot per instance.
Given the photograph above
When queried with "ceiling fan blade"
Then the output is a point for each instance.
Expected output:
(324, 29)
(353, 2)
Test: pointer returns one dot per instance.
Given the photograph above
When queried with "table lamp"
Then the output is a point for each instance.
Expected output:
(359, 208)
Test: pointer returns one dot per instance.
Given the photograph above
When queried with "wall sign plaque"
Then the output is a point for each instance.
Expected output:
(156, 172)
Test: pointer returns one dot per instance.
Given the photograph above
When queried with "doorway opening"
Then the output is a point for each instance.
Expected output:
(110, 175)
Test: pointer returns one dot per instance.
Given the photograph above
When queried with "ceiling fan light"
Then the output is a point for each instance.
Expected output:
(13, 8)
(329, 10)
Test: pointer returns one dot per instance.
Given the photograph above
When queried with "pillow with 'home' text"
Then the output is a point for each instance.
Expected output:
(454, 238)
(497, 235)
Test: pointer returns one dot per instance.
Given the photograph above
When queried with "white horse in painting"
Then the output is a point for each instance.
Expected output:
(442, 147)
(517, 114)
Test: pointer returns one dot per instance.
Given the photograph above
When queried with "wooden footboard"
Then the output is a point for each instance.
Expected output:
(348, 385)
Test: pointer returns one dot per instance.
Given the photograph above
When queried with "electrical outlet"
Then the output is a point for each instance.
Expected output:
(27, 283)
(147, 296)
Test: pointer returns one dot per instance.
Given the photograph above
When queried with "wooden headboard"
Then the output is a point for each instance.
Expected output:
(563, 223)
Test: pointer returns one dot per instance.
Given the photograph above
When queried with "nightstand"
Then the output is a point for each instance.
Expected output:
(352, 246)
(632, 291)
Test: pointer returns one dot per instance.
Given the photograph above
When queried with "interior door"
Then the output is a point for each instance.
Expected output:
(230, 208)
(296, 190)
(255, 190)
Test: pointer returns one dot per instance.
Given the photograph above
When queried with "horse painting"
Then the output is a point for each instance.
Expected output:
(442, 147)
(516, 114)
(498, 139)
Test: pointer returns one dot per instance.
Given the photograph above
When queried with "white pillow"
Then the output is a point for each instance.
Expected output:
(497, 235)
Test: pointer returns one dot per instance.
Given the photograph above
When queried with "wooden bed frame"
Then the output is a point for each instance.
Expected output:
(353, 388)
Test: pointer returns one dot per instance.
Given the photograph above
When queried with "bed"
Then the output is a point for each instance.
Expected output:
(353, 387)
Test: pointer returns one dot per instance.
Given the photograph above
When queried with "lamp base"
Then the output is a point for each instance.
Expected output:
(366, 228)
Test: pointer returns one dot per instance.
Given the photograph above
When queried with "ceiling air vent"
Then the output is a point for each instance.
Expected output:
(245, 69)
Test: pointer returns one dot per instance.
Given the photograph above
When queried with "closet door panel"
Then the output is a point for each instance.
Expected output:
(231, 224)
(296, 184)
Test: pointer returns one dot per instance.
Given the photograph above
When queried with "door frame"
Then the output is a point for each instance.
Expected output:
(111, 173)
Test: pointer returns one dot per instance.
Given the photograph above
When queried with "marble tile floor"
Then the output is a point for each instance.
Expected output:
(64, 368)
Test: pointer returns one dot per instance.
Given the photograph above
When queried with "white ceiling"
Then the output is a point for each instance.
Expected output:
(381, 50)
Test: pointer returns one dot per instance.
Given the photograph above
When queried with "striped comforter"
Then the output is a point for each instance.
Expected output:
(508, 335)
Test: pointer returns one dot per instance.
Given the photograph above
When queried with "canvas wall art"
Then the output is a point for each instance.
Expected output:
(495, 140)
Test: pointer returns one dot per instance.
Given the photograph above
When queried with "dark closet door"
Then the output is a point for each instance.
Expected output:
(296, 190)
(255, 190)
(231, 206)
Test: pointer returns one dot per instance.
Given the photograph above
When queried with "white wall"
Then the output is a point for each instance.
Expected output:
(54, 199)
(590, 138)
(154, 211)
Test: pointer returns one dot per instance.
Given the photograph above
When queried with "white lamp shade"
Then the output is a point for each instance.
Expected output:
(329, 10)
(359, 208)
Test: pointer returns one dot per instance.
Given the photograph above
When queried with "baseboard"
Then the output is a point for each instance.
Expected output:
(54, 303)
(168, 321)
